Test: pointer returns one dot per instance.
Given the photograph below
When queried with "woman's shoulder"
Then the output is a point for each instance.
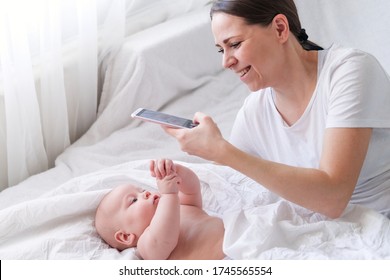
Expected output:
(339, 62)
(337, 55)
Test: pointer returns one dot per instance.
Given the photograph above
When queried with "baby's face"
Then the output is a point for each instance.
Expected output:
(133, 207)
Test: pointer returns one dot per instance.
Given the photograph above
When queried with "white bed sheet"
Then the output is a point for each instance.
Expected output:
(50, 215)
(259, 225)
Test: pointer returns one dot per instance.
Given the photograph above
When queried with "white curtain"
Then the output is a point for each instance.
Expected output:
(49, 77)
(52, 57)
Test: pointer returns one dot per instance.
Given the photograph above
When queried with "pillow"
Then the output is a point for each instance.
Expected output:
(158, 65)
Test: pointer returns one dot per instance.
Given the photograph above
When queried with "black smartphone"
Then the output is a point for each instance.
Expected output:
(162, 118)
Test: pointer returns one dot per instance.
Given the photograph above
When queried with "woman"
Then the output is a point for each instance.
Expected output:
(316, 128)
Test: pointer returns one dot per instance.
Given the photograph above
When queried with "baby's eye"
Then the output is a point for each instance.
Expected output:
(134, 200)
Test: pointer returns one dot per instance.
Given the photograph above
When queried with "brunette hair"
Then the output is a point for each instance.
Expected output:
(262, 12)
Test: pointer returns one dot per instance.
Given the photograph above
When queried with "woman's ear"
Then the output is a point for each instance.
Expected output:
(280, 24)
(126, 239)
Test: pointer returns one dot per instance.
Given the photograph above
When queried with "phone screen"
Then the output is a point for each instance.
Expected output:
(163, 118)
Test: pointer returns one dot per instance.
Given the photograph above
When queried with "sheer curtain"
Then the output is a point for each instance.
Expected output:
(52, 57)
(49, 77)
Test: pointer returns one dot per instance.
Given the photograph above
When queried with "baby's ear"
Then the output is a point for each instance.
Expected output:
(126, 239)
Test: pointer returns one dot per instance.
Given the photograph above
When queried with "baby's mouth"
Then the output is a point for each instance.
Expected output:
(156, 199)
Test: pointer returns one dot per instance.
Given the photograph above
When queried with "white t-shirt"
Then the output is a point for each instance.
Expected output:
(352, 90)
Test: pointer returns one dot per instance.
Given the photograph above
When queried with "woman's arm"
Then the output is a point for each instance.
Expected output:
(326, 190)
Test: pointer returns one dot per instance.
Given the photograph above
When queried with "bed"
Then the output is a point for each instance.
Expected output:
(174, 67)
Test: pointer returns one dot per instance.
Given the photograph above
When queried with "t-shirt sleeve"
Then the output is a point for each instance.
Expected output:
(240, 135)
(359, 94)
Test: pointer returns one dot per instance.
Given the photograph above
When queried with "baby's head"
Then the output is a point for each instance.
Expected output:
(123, 215)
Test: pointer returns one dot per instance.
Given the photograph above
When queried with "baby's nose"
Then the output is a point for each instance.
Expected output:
(147, 194)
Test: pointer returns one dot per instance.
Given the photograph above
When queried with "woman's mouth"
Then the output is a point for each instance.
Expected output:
(243, 72)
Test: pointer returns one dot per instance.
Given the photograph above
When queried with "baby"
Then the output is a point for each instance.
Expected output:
(169, 224)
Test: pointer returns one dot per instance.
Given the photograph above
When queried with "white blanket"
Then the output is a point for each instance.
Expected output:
(259, 225)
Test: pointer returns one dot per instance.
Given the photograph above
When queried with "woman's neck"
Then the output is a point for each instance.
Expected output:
(298, 81)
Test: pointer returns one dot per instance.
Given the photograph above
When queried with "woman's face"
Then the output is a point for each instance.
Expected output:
(249, 50)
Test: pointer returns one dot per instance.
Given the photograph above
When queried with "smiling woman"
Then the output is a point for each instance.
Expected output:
(250, 40)
(316, 120)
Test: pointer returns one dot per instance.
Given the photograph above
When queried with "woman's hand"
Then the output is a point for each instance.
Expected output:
(205, 140)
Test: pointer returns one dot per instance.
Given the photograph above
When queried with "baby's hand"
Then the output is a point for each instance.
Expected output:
(161, 168)
(169, 184)
(164, 170)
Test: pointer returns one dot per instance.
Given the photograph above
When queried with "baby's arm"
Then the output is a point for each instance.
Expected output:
(189, 188)
(162, 235)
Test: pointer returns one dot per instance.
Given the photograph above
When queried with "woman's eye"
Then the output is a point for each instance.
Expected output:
(232, 45)
(235, 45)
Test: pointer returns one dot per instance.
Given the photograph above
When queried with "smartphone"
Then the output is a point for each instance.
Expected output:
(162, 118)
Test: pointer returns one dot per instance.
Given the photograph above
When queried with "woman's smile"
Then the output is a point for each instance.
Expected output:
(243, 72)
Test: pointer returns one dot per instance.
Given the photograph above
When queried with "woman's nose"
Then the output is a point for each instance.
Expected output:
(228, 61)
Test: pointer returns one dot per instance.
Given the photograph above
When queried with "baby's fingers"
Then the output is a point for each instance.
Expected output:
(160, 169)
(152, 168)
(169, 166)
